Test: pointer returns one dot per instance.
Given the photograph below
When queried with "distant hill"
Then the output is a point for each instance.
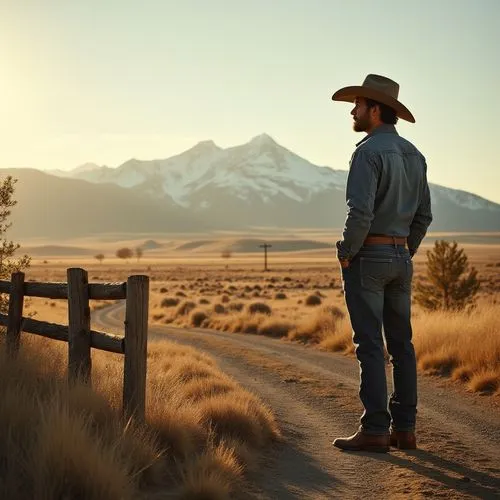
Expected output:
(50, 206)
(56, 250)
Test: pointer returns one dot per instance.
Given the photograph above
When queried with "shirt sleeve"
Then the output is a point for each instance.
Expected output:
(361, 190)
(422, 219)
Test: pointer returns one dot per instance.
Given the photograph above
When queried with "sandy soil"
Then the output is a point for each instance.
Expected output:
(314, 396)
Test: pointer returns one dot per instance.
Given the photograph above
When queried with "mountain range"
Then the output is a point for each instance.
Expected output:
(260, 183)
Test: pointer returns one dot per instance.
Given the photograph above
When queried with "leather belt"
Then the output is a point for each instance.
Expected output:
(385, 240)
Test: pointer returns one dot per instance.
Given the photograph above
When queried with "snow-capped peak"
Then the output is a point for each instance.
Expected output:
(259, 169)
(263, 139)
(208, 145)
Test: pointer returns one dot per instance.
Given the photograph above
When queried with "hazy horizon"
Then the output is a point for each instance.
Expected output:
(106, 82)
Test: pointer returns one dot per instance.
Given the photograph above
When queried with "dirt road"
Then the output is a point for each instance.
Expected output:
(314, 396)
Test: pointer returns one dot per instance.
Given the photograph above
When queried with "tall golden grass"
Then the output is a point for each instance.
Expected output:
(465, 346)
(202, 429)
(462, 345)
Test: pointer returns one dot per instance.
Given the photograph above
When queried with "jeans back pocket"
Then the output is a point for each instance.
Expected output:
(375, 272)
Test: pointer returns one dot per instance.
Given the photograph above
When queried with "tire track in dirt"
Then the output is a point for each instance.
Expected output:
(314, 397)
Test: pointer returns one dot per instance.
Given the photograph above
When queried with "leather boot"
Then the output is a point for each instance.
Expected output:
(363, 442)
(404, 440)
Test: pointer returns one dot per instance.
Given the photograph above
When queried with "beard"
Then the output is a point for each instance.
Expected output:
(362, 123)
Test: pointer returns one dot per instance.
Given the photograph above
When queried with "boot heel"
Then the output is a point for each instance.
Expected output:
(403, 440)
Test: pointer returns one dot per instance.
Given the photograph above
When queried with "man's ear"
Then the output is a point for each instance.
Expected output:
(375, 111)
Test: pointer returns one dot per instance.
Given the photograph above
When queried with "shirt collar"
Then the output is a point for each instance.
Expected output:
(381, 129)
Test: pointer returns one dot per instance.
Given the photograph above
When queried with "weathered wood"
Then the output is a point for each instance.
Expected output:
(97, 291)
(16, 303)
(99, 340)
(108, 291)
(79, 359)
(42, 328)
(136, 337)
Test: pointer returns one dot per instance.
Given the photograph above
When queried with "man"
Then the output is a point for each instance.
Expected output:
(389, 211)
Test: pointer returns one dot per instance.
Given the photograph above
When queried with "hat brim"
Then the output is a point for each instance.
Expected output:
(348, 94)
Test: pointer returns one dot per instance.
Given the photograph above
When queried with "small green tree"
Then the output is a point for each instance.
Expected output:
(8, 265)
(124, 253)
(99, 257)
(450, 284)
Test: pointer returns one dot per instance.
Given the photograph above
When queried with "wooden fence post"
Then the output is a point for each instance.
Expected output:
(136, 344)
(16, 303)
(79, 361)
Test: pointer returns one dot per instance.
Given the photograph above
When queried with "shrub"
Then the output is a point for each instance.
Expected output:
(225, 299)
(313, 300)
(204, 301)
(169, 302)
(315, 328)
(197, 318)
(219, 309)
(259, 307)
(185, 308)
(163, 290)
(275, 328)
(8, 265)
(447, 288)
(335, 311)
(236, 306)
(180, 294)
(280, 296)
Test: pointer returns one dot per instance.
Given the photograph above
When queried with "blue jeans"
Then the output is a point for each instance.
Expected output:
(377, 290)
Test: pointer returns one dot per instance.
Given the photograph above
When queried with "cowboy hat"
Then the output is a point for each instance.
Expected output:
(379, 88)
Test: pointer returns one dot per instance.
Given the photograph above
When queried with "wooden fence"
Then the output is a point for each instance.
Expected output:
(80, 338)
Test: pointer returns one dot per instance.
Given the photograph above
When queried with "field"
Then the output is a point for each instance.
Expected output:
(299, 298)
(204, 431)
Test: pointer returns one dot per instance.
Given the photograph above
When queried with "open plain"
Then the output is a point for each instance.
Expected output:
(284, 335)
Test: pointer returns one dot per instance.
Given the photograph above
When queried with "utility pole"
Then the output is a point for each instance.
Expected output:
(265, 246)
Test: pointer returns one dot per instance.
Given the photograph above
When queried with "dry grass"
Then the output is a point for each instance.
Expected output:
(202, 429)
(464, 346)
(444, 346)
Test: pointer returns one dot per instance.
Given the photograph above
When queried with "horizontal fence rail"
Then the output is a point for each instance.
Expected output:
(97, 291)
(98, 340)
(80, 338)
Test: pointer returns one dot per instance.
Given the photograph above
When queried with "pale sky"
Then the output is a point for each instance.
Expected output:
(105, 81)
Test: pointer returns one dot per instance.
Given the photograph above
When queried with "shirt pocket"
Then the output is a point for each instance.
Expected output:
(375, 272)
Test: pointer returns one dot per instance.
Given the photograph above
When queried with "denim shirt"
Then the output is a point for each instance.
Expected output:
(387, 192)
